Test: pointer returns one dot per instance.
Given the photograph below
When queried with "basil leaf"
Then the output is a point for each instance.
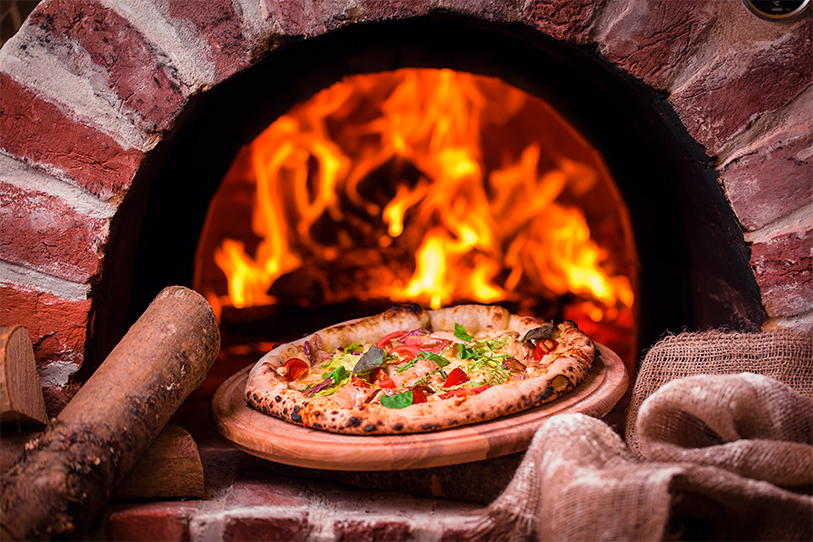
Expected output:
(338, 374)
(541, 332)
(372, 358)
(400, 400)
(437, 358)
(461, 333)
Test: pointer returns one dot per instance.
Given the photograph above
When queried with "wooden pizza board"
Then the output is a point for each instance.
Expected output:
(270, 438)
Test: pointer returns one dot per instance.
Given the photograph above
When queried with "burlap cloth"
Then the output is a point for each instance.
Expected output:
(719, 447)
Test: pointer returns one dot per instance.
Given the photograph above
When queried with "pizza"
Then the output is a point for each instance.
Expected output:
(410, 370)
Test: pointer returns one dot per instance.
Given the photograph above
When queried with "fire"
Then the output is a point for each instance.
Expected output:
(398, 161)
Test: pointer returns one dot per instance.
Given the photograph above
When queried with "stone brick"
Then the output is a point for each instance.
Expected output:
(154, 521)
(563, 19)
(482, 9)
(43, 232)
(783, 267)
(745, 82)
(291, 526)
(772, 179)
(78, 151)
(220, 27)
(114, 54)
(378, 530)
(57, 326)
(302, 18)
(652, 38)
(396, 9)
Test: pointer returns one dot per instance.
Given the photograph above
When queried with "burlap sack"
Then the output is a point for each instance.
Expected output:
(783, 355)
(716, 445)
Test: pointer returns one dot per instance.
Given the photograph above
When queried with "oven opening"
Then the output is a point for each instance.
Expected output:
(432, 186)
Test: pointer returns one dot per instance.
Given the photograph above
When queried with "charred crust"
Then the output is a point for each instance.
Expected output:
(412, 308)
(317, 414)
(317, 425)
(285, 410)
(256, 399)
(369, 428)
(295, 415)
(398, 426)
(453, 422)
(354, 422)
(429, 427)
(277, 398)
(545, 394)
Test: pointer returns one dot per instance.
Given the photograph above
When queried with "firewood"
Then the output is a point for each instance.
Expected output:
(63, 482)
(21, 401)
(170, 468)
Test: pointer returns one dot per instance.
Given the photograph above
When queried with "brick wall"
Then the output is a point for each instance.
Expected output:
(88, 89)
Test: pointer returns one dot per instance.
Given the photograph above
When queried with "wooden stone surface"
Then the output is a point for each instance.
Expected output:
(273, 439)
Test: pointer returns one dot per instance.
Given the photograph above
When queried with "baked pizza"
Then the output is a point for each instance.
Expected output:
(410, 370)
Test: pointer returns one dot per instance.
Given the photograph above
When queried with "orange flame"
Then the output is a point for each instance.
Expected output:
(477, 230)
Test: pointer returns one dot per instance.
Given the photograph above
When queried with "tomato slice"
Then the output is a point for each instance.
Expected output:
(388, 383)
(456, 377)
(387, 339)
(405, 352)
(356, 381)
(464, 392)
(295, 368)
(418, 396)
(543, 348)
(428, 344)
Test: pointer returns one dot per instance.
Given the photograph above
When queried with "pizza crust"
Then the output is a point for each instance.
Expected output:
(269, 393)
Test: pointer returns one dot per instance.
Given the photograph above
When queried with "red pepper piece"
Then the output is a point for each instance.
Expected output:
(295, 368)
(418, 396)
(544, 347)
(464, 392)
(456, 377)
(356, 381)
(388, 383)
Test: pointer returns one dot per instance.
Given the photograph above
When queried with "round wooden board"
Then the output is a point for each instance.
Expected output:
(270, 438)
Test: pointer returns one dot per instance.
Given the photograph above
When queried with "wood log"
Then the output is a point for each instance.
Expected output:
(62, 484)
(21, 401)
(169, 469)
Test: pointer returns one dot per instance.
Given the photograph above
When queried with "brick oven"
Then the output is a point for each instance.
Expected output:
(120, 120)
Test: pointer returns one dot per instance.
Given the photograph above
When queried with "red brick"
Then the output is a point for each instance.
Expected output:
(563, 19)
(266, 493)
(652, 38)
(39, 132)
(482, 9)
(129, 64)
(289, 527)
(743, 84)
(783, 267)
(372, 531)
(43, 232)
(298, 18)
(57, 326)
(56, 399)
(773, 180)
(221, 27)
(167, 522)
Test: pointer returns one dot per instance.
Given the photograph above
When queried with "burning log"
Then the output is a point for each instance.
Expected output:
(21, 401)
(61, 485)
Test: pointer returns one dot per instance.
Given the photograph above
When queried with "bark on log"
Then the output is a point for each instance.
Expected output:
(61, 486)
(21, 401)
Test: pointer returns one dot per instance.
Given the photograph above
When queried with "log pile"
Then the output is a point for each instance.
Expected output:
(67, 474)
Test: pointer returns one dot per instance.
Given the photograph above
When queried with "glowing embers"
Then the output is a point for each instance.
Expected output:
(422, 185)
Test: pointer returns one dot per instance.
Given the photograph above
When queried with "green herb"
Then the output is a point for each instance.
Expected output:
(409, 365)
(337, 375)
(346, 360)
(425, 380)
(461, 333)
(400, 400)
(372, 358)
(437, 358)
(467, 352)
(355, 348)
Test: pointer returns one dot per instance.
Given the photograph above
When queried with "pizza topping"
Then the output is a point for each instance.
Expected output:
(514, 365)
(373, 358)
(387, 339)
(313, 350)
(293, 369)
(461, 333)
(400, 400)
(456, 377)
(464, 392)
(543, 348)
